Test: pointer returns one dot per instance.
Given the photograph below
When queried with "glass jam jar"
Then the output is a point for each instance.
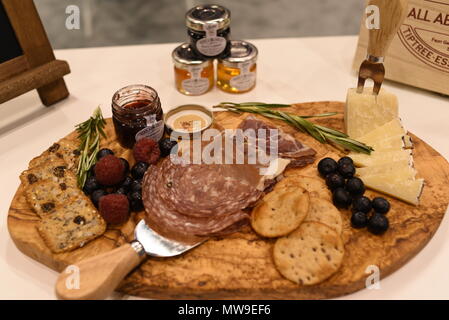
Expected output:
(237, 72)
(208, 30)
(193, 75)
(134, 108)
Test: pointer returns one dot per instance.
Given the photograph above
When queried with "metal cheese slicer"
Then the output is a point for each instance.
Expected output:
(392, 14)
(97, 277)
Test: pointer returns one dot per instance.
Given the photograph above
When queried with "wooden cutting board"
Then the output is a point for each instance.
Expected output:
(240, 266)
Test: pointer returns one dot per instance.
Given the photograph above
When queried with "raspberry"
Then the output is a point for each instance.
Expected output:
(109, 170)
(146, 150)
(114, 208)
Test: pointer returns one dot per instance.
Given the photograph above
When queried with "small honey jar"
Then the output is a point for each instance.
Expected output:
(237, 72)
(193, 75)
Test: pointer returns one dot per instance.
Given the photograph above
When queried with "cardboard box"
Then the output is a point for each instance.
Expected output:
(419, 54)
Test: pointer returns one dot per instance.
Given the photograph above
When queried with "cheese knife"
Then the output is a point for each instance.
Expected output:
(100, 275)
(392, 14)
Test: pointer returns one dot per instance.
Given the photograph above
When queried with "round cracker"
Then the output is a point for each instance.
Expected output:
(324, 211)
(316, 187)
(280, 212)
(310, 254)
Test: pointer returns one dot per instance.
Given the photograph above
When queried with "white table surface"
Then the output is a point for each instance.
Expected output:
(289, 70)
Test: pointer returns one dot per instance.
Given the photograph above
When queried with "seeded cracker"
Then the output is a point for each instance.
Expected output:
(310, 254)
(71, 226)
(323, 211)
(45, 195)
(55, 170)
(64, 149)
(280, 212)
(316, 187)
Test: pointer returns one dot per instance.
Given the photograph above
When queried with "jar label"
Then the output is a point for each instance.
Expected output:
(154, 129)
(212, 44)
(245, 80)
(195, 85)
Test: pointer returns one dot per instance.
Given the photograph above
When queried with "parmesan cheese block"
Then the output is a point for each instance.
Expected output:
(404, 189)
(388, 130)
(365, 111)
(380, 157)
(388, 168)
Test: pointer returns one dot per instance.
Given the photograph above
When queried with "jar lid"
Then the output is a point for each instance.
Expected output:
(240, 51)
(199, 16)
(181, 119)
(184, 56)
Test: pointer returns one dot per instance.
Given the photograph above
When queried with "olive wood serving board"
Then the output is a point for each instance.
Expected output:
(240, 266)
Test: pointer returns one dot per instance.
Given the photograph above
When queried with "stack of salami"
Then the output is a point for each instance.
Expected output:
(188, 202)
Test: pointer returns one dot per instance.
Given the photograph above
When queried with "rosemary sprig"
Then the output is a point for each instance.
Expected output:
(320, 133)
(89, 134)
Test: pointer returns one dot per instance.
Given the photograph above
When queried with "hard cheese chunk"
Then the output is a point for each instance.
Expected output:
(406, 173)
(388, 168)
(379, 158)
(365, 111)
(388, 130)
(404, 189)
(397, 142)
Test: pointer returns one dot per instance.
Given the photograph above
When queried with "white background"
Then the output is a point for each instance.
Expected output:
(289, 71)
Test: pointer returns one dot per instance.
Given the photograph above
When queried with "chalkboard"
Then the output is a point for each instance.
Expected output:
(10, 45)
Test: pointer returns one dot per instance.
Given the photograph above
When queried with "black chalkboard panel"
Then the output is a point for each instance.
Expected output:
(10, 47)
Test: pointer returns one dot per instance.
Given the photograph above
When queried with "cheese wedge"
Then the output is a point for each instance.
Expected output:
(380, 157)
(388, 168)
(404, 173)
(365, 111)
(388, 130)
(405, 190)
(395, 142)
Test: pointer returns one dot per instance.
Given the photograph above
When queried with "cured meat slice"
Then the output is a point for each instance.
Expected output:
(175, 225)
(202, 190)
(288, 147)
(188, 201)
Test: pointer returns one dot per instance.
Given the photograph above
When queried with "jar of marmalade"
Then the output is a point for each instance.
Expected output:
(134, 108)
(237, 72)
(208, 30)
(193, 75)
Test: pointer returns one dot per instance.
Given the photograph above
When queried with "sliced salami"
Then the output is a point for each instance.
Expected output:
(188, 200)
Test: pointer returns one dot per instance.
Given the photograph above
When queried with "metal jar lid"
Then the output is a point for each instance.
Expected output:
(240, 52)
(199, 16)
(184, 56)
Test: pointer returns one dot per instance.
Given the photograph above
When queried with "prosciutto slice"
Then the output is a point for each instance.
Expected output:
(288, 147)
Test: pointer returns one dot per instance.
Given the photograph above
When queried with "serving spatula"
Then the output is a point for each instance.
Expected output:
(100, 275)
(392, 14)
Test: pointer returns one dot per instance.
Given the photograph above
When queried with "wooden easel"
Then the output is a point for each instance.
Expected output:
(33, 65)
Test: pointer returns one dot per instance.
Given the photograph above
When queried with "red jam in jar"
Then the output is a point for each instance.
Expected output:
(132, 109)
